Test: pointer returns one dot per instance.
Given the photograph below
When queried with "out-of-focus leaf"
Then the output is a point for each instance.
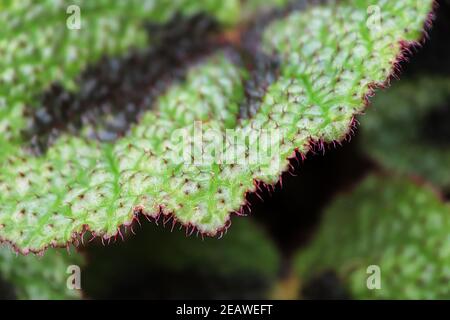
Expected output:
(392, 223)
(34, 277)
(408, 129)
(243, 264)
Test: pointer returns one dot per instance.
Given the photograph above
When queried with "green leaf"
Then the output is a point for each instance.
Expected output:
(38, 49)
(34, 277)
(331, 58)
(390, 222)
(406, 129)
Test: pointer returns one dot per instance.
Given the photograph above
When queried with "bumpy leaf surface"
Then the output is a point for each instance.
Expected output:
(407, 129)
(392, 223)
(331, 56)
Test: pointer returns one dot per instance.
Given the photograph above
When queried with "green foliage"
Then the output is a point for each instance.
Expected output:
(34, 277)
(393, 223)
(245, 250)
(326, 72)
(38, 49)
(404, 130)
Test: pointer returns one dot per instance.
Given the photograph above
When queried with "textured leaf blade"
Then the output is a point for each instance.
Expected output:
(323, 84)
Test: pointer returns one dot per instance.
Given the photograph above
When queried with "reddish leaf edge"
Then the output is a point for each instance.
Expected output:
(407, 49)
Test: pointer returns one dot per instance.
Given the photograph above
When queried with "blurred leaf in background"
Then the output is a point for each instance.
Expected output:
(407, 129)
(394, 223)
(36, 277)
(157, 263)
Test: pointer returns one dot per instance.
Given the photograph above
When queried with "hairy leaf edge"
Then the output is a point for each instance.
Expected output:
(406, 49)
